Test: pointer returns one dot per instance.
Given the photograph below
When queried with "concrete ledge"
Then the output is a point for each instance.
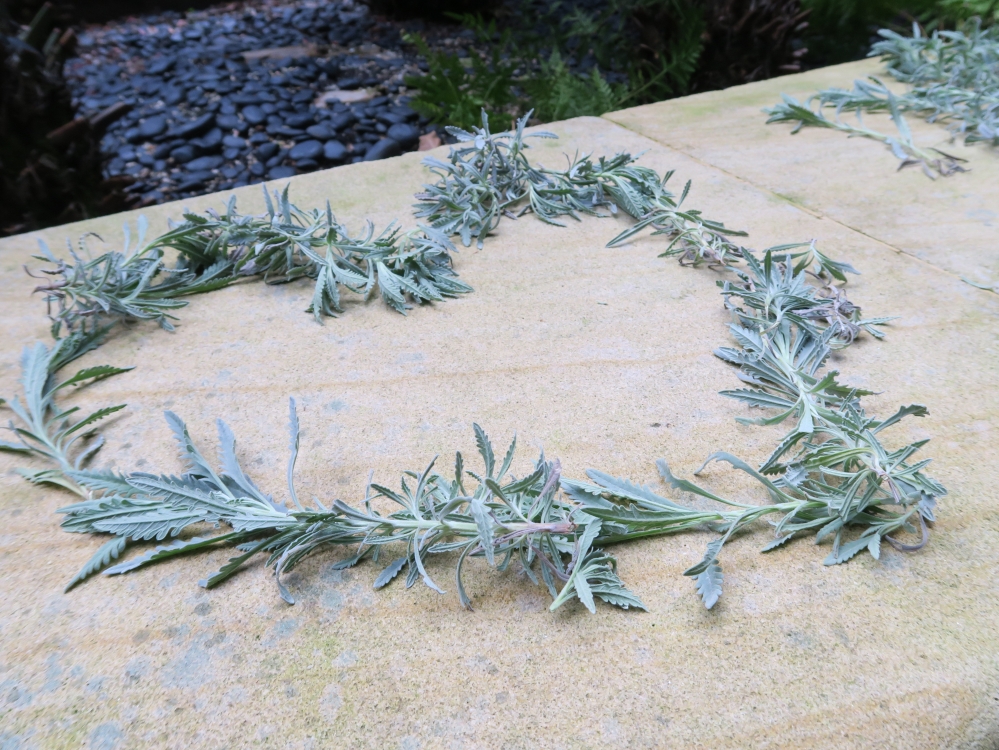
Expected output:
(603, 356)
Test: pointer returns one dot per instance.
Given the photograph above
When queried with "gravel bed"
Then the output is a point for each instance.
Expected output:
(249, 92)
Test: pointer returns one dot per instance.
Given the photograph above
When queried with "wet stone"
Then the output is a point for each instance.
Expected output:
(254, 114)
(300, 121)
(267, 150)
(384, 148)
(195, 127)
(321, 132)
(405, 134)
(204, 162)
(183, 154)
(281, 172)
(230, 122)
(152, 126)
(334, 151)
(306, 150)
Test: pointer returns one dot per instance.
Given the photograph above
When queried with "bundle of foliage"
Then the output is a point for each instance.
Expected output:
(215, 250)
(47, 431)
(830, 475)
(953, 78)
(489, 176)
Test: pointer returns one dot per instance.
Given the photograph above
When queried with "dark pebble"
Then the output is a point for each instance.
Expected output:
(254, 114)
(230, 122)
(194, 179)
(322, 131)
(204, 162)
(232, 153)
(306, 150)
(300, 121)
(132, 135)
(391, 118)
(172, 96)
(384, 148)
(306, 164)
(267, 150)
(195, 127)
(405, 112)
(257, 169)
(161, 66)
(152, 126)
(405, 134)
(279, 173)
(349, 83)
(183, 154)
(246, 98)
(211, 141)
(334, 151)
(343, 120)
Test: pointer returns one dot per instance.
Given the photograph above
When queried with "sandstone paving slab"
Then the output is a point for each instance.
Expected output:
(603, 357)
(952, 222)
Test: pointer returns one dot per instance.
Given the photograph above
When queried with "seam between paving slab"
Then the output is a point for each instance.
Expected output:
(802, 207)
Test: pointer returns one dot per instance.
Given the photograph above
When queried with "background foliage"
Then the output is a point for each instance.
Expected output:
(566, 58)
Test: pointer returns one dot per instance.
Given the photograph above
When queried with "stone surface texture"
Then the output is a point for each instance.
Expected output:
(602, 356)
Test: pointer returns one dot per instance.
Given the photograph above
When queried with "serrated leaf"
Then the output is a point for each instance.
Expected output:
(709, 584)
(390, 571)
(107, 552)
(778, 542)
(480, 513)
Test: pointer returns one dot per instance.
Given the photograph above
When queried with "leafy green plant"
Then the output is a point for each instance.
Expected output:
(489, 176)
(46, 431)
(216, 250)
(830, 475)
(119, 285)
(557, 93)
(933, 161)
(654, 44)
(956, 12)
(501, 519)
(954, 79)
(451, 93)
